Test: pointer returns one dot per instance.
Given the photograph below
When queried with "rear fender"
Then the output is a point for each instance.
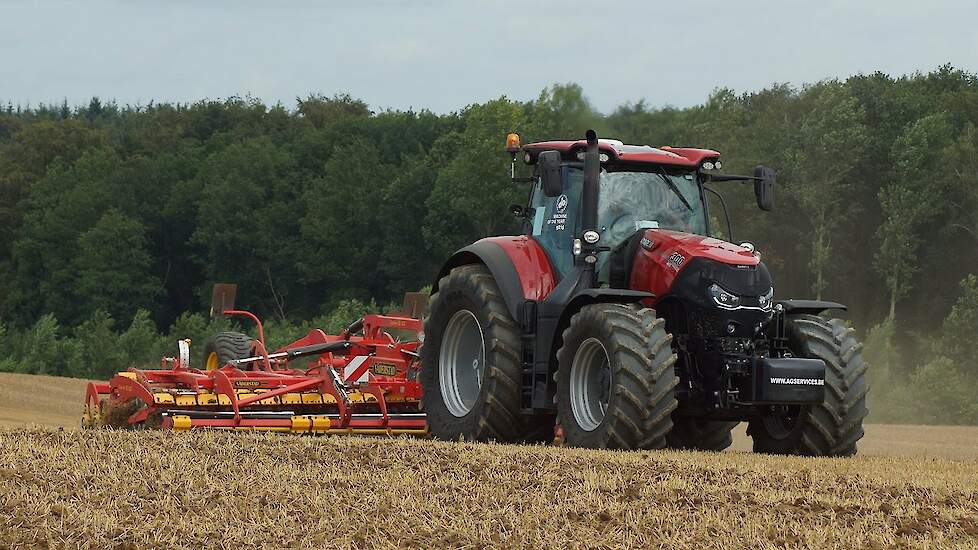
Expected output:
(518, 265)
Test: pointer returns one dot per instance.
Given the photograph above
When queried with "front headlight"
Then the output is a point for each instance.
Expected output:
(767, 300)
(722, 297)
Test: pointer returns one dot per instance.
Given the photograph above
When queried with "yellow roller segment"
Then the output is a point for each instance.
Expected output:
(312, 399)
(206, 398)
(291, 399)
(310, 424)
(186, 400)
(163, 398)
(212, 362)
(181, 423)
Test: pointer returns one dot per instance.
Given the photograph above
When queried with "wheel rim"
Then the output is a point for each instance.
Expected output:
(212, 361)
(783, 421)
(590, 384)
(462, 362)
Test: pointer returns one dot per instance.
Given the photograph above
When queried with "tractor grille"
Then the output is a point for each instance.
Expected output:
(705, 324)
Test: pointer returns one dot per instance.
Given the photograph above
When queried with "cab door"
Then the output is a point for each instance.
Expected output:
(554, 221)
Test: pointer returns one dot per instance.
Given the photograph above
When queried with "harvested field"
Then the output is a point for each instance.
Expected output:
(41, 400)
(105, 489)
(165, 490)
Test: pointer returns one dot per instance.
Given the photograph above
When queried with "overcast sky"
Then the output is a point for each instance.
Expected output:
(443, 55)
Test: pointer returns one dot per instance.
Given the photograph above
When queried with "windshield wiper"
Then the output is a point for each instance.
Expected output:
(675, 189)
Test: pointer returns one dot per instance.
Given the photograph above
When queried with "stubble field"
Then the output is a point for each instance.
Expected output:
(72, 488)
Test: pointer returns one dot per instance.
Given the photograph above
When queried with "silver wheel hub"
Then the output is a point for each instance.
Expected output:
(590, 384)
(461, 362)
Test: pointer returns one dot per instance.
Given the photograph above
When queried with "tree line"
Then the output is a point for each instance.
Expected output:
(116, 219)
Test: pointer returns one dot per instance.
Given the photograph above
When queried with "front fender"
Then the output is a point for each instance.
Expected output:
(811, 307)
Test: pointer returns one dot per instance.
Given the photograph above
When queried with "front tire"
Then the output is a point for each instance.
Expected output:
(472, 363)
(834, 427)
(616, 378)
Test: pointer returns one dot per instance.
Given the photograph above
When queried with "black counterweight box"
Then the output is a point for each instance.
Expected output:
(789, 381)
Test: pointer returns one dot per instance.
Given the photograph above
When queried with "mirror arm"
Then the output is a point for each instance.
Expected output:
(512, 172)
(728, 177)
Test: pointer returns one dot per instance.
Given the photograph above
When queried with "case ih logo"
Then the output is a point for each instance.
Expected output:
(675, 260)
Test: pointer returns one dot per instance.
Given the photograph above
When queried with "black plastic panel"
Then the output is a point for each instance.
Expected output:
(791, 381)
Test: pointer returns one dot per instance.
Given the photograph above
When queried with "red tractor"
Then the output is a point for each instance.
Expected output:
(616, 317)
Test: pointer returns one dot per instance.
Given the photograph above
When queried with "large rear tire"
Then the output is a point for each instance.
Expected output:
(697, 434)
(472, 363)
(616, 378)
(226, 346)
(834, 427)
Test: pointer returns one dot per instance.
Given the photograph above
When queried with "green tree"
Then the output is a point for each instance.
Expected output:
(472, 191)
(831, 139)
(961, 192)
(321, 111)
(342, 231)
(247, 223)
(908, 200)
(113, 268)
(563, 112)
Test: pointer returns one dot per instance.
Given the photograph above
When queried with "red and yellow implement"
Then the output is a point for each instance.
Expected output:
(362, 381)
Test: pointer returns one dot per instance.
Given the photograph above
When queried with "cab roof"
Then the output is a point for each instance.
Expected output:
(620, 152)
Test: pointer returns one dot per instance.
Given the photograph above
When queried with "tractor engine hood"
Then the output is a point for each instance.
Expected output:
(662, 255)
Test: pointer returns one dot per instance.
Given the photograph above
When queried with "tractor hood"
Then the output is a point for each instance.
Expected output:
(662, 255)
(689, 246)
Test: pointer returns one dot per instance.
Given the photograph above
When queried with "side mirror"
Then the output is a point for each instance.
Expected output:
(764, 181)
(548, 164)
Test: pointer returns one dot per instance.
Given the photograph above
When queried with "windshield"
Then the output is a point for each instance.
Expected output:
(629, 201)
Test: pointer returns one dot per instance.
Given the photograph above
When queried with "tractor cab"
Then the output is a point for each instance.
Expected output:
(630, 198)
(639, 187)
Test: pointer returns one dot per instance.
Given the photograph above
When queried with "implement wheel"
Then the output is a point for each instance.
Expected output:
(471, 363)
(834, 427)
(616, 378)
(226, 346)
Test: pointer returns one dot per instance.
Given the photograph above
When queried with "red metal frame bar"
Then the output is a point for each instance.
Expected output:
(253, 317)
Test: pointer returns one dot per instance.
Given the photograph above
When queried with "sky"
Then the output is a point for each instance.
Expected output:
(444, 55)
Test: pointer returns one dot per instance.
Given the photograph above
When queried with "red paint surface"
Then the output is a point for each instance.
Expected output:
(652, 270)
(677, 156)
(537, 276)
